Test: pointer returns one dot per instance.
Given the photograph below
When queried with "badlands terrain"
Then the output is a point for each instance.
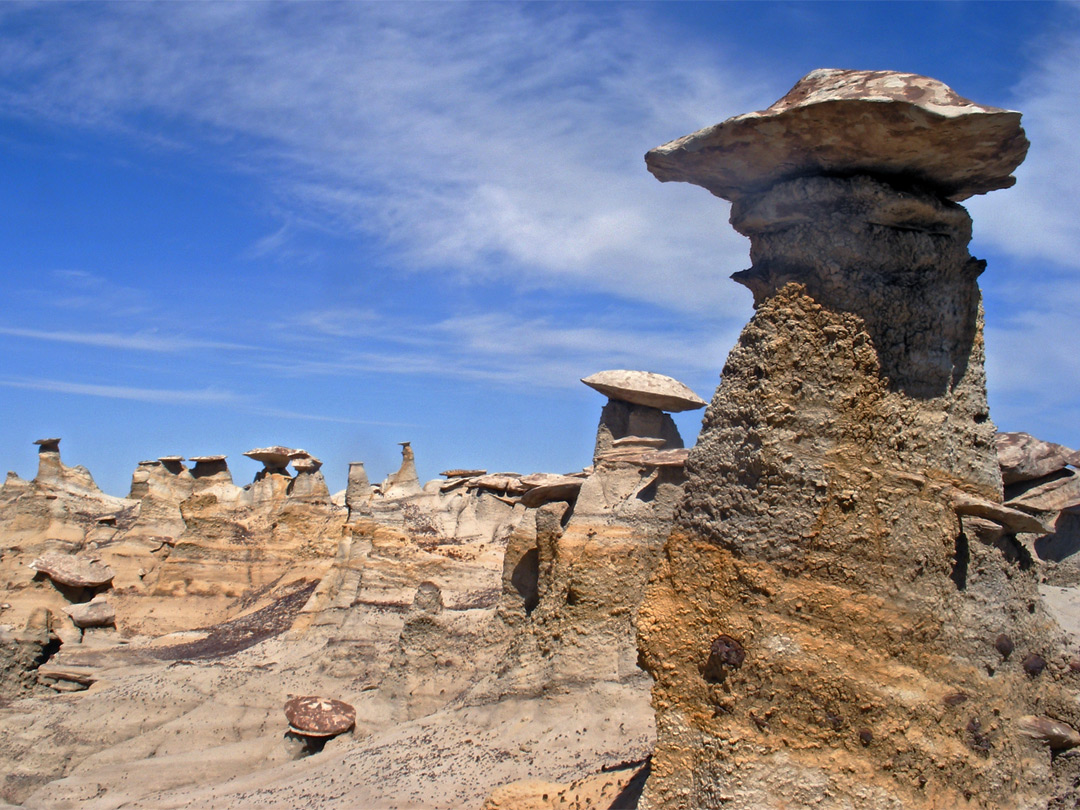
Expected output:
(849, 592)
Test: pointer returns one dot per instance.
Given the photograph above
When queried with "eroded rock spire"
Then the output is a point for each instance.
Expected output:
(822, 625)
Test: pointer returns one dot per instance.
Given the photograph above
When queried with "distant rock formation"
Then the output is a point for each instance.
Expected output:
(822, 624)
(635, 409)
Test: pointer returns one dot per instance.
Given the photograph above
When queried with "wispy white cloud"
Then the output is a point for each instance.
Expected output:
(81, 290)
(504, 349)
(142, 341)
(1037, 219)
(160, 396)
(1032, 339)
(447, 130)
(277, 413)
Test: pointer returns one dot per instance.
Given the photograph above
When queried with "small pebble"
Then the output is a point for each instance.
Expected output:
(1034, 664)
(866, 736)
(1004, 645)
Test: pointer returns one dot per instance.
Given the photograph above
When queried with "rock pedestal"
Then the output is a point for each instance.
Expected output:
(637, 401)
(309, 481)
(358, 491)
(405, 481)
(821, 629)
(53, 472)
(49, 465)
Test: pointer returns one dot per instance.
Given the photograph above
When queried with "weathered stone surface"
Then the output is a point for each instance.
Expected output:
(503, 483)
(556, 488)
(1053, 493)
(53, 472)
(306, 463)
(1013, 519)
(645, 388)
(73, 571)
(275, 457)
(1024, 458)
(358, 491)
(621, 421)
(213, 459)
(908, 128)
(309, 481)
(644, 457)
(405, 481)
(462, 473)
(95, 613)
(1056, 735)
(818, 527)
(314, 716)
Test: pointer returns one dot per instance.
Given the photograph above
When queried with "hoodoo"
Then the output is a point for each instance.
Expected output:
(821, 629)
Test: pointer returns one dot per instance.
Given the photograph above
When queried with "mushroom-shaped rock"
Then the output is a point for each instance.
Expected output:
(1024, 458)
(95, 613)
(551, 488)
(645, 388)
(309, 482)
(405, 481)
(845, 122)
(274, 459)
(75, 572)
(306, 463)
(174, 464)
(50, 468)
(505, 483)
(206, 466)
(314, 716)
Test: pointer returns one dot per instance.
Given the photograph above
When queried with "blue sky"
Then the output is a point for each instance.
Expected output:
(341, 226)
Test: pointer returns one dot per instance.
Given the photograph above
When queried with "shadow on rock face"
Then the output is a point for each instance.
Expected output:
(897, 260)
(526, 579)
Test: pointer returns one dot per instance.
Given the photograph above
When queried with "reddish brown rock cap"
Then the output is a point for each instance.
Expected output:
(1024, 458)
(846, 122)
(314, 716)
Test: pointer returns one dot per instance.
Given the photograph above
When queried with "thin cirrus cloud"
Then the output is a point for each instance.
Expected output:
(500, 348)
(1037, 219)
(157, 396)
(449, 132)
(143, 342)
(1036, 225)
(207, 396)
